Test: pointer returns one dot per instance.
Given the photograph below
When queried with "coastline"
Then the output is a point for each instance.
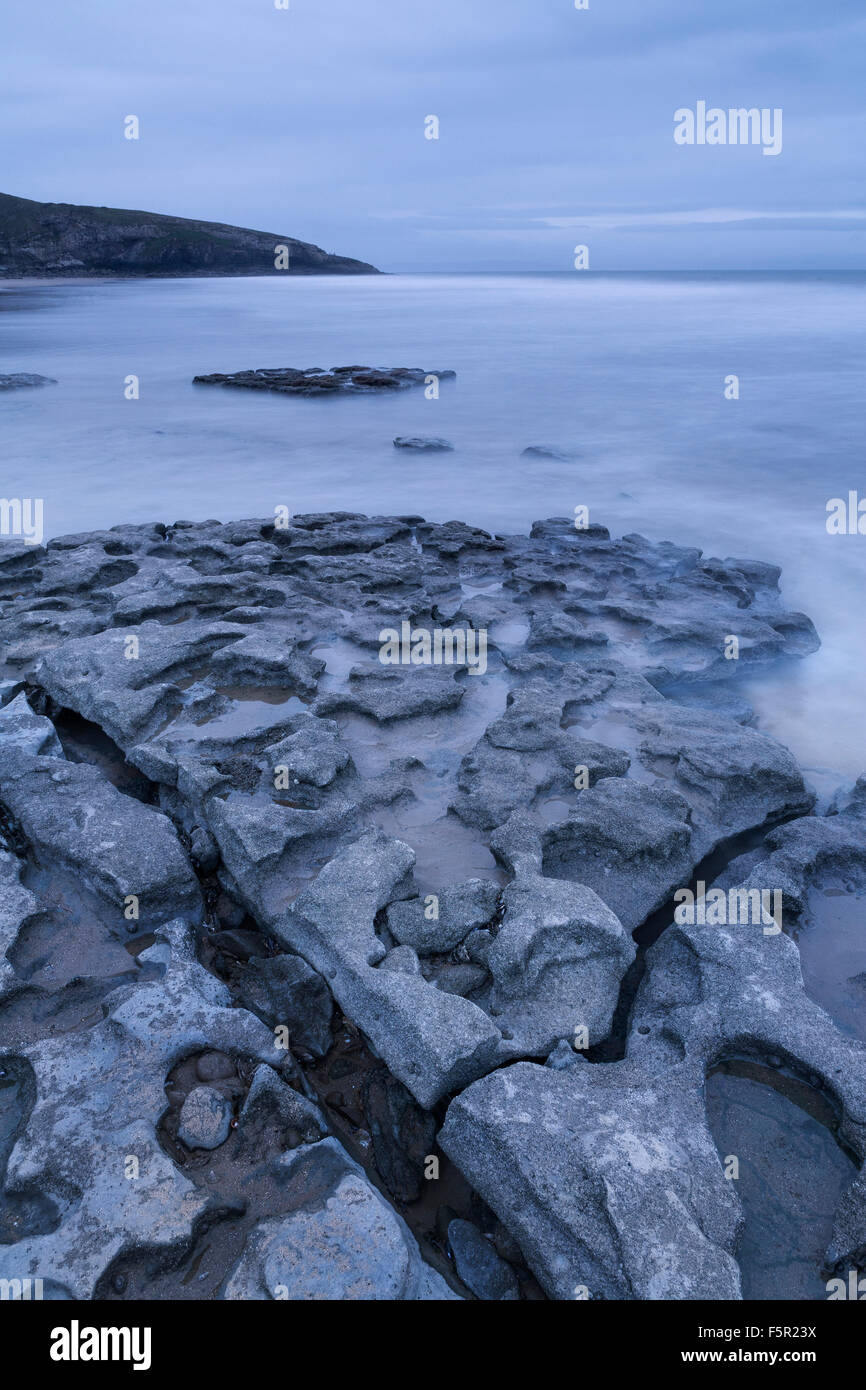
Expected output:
(31, 281)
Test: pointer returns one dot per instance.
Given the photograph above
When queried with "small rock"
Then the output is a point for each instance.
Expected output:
(479, 1266)
(477, 945)
(229, 913)
(243, 945)
(403, 1134)
(203, 850)
(563, 1056)
(460, 979)
(422, 445)
(214, 1066)
(506, 1245)
(461, 908)
(205, 1119)
(284, 990)
(276, 1116)
(404, 959)
(549, 451)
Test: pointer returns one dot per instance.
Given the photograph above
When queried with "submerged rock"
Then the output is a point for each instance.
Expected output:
(314, 381)
(550, 451)
(10, 381)
(423, 444)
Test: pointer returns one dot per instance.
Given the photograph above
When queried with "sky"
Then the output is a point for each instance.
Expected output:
(555, 125)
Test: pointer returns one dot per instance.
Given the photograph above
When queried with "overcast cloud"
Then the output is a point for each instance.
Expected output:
(556, 125)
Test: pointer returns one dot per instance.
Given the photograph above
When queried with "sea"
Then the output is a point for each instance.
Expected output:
(628, 377)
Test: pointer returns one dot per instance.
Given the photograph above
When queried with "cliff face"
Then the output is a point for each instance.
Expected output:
(48, 239)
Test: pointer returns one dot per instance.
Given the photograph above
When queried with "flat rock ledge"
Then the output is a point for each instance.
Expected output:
(253, 830)
(317, 381)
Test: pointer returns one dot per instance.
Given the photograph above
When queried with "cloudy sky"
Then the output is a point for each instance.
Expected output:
(555, 125)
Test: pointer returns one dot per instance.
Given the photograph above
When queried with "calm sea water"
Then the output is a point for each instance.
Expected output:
(627, 371)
